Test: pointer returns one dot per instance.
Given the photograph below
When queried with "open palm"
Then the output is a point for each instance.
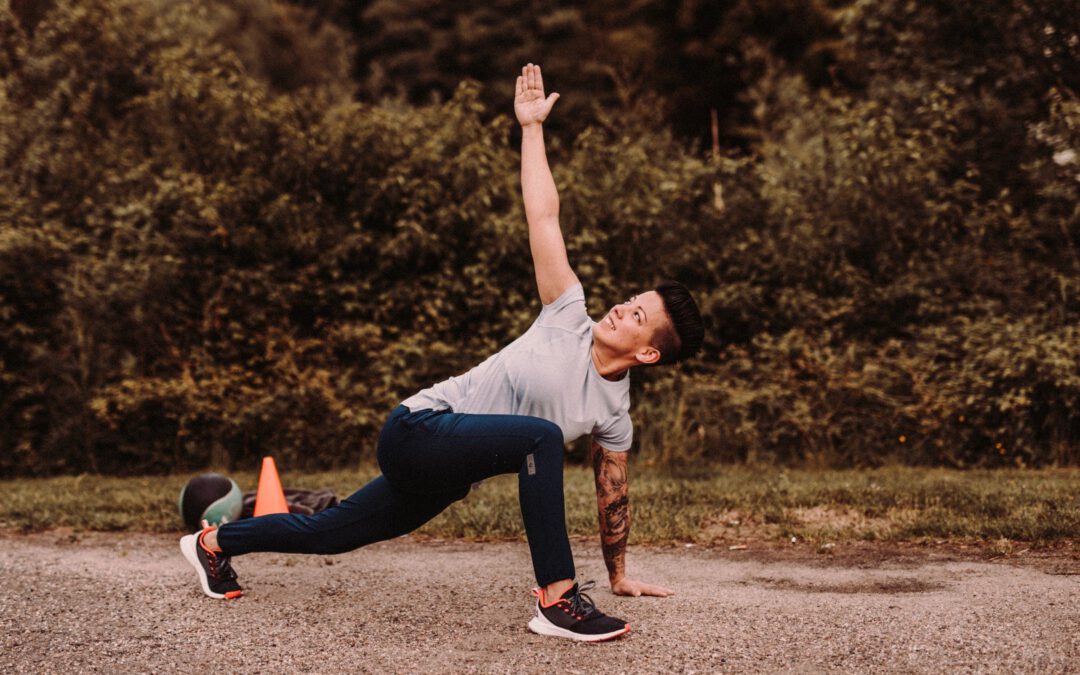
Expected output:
(530, 106)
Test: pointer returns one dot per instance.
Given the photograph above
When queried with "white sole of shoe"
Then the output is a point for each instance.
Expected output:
(187, 547)
(541, 626)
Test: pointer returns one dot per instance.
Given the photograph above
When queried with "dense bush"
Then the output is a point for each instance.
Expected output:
(598, 52)
(912, 286)
(209, 252)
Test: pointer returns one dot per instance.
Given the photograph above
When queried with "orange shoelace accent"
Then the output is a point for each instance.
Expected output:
(567, 606)
(211, 556)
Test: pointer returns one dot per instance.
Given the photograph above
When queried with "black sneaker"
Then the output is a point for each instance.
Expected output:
(215, 573)
(575, 616)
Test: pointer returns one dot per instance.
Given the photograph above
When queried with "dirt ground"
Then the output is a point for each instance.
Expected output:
(130, 603)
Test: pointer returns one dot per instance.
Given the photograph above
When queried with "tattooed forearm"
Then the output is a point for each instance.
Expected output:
(613, 504)
(614, 532)
(615, 557)
(616, 520)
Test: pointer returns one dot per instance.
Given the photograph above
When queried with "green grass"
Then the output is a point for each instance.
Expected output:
(711, 506)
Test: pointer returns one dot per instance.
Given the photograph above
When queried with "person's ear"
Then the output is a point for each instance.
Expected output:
(648, 355)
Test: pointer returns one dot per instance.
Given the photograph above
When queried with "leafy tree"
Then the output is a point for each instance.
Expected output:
(599, 53)
(210, 251)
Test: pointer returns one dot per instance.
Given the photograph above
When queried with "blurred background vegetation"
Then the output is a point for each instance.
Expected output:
(241, 227)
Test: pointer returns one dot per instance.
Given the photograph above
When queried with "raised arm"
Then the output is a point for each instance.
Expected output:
(613, 504)
(550, 264)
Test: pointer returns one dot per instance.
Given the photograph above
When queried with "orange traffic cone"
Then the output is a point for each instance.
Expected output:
(269, 498)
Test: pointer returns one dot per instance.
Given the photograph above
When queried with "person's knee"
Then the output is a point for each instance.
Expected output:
(328, 543)
(324, 547)
(548, 431)
(549, 436)
(312, 534)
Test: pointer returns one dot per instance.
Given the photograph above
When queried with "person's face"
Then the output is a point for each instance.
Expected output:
(628, 328)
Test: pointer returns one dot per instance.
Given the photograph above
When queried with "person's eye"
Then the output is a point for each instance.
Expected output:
(637, 315)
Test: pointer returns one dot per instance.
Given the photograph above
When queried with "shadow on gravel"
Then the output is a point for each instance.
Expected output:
(883, 586)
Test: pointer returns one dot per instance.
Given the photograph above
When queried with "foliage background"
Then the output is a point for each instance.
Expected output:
(233, 228)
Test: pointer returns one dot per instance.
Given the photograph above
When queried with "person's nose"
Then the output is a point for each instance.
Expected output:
(617, 311)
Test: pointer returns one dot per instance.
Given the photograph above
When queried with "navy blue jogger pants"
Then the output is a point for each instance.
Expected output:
(429, 460)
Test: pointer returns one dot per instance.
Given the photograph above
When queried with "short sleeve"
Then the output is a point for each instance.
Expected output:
(567, 311)
(616, 435)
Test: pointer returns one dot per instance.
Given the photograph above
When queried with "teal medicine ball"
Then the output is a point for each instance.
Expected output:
(211, 497)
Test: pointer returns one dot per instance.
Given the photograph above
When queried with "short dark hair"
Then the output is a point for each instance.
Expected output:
(682, 336)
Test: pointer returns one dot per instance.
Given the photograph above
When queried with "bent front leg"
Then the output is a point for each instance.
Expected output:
(432, 452)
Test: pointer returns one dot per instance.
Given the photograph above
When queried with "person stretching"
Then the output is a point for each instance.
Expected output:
(565, 377)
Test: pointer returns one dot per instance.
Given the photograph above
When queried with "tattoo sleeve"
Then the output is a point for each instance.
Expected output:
(613, 504)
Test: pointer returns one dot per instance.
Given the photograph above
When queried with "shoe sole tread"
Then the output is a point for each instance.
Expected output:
(541, 626)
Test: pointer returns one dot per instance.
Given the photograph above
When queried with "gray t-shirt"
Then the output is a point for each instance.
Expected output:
(548, 372)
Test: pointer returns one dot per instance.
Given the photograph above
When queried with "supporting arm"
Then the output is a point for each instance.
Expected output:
(613, 506)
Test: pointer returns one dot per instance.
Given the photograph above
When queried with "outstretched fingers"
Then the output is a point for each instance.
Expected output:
(530, 80)
(655, 591)
(637, 589)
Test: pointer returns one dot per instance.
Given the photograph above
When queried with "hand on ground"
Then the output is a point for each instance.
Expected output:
(627, 586)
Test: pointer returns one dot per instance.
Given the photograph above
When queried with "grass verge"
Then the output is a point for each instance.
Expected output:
(721, 505)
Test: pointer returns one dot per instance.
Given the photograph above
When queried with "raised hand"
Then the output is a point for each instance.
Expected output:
(530, 106)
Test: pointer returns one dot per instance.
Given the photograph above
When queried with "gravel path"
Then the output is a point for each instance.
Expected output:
(130, 603)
